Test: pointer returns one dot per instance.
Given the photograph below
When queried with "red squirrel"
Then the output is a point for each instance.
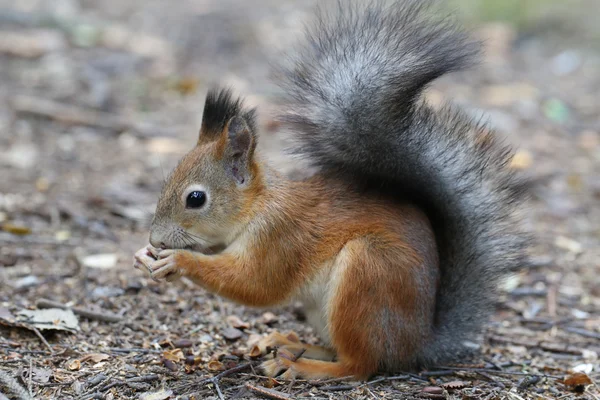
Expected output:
(396, 245)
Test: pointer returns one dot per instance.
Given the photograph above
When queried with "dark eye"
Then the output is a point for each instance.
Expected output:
(195, 199)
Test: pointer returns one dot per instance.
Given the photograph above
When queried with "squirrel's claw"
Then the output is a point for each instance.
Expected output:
(281, 366)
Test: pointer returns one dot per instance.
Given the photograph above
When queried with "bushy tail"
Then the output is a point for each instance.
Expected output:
(355, 111)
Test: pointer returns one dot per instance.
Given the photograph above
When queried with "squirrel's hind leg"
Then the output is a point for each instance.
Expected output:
(285, 366)
(291, 343)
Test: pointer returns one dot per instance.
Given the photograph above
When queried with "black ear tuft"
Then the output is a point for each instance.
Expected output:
(219, 108)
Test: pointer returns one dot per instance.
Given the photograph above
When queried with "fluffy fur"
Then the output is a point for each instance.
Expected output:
(354, 107)
(396, 246)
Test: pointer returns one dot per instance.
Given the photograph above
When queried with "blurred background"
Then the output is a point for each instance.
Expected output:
(100, 98)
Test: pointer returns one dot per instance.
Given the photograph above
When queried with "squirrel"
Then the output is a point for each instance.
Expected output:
(397, 244)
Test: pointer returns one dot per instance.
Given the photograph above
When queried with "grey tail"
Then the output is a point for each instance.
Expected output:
(355, 109)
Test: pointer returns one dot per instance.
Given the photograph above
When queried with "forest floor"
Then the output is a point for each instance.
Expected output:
(98, 101)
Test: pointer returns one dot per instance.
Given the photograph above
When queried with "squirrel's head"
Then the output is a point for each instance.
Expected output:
(209, 196)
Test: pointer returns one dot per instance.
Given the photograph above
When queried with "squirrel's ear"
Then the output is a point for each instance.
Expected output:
(240, 142)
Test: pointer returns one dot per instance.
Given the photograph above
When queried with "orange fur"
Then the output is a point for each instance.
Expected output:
(370, 263)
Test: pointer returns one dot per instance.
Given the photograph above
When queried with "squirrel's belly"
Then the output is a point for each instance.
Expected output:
(315, 296)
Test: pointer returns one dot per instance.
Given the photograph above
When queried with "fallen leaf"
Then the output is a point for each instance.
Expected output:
(236, 322)
(95, 357)
(16, 229)
(50, 319)
(255, 352)
(215, 366)
(175, 355)
(74, 365)
(432, 390)
(161, 395)
(577, 382)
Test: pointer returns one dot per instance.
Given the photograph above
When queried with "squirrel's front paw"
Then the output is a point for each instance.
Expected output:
(166, 266)
(144, 258)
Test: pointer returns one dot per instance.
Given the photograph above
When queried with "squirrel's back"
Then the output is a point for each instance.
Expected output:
(355, 108)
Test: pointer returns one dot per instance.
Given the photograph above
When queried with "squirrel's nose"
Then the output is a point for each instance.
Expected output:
(156, 241)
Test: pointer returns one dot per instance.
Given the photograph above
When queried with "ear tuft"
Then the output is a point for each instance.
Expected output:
(219, 108)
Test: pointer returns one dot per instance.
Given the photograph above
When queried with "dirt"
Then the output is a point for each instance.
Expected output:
(99, 99)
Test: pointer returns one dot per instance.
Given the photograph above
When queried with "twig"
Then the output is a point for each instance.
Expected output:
(221, 397)
(438, 373)
(267, 393)
(582, 332)
(73, 115)
(388, 378)
(215, 379)
(494, 371)
(144, 378)
(94, 315)
(42, 338)
(238, 368)
(338, 388)
(30, 377)
(134, 350)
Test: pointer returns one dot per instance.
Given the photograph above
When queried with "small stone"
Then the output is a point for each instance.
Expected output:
(232, 333)
(432, 390)
(183, 343)
(100, 261)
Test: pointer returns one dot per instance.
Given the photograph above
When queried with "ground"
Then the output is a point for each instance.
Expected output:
(99, 99)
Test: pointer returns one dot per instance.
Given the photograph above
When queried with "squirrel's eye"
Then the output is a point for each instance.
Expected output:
(195, 199)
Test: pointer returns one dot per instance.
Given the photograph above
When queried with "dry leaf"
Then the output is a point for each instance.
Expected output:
(16, 229)
(50, 319)
(255, 352)
(175, 355)
(236, 322)
(161, 395)
(95, 357)
(577, 382)
(74, 365)
(215, 365)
